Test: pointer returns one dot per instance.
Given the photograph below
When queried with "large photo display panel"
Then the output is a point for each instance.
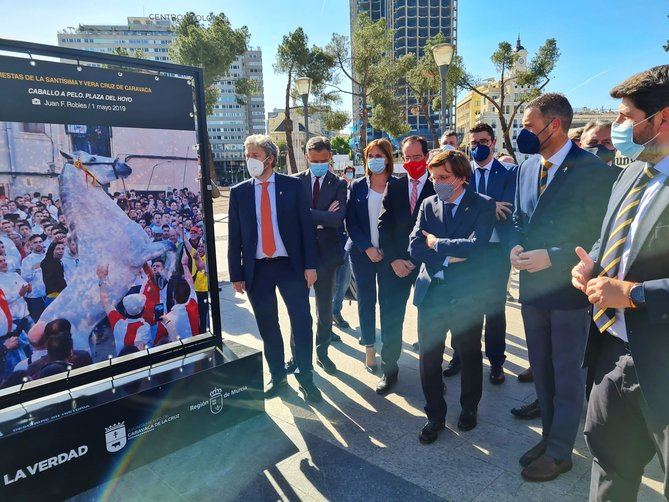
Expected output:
(102, 238)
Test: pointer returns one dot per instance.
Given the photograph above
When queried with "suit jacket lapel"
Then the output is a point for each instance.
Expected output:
(462, 214)
(324, 194)
(530, 185)
(306, 182)
(653, 213)
(617, 196)
(278, 200)
(427, 191)
(250, 203)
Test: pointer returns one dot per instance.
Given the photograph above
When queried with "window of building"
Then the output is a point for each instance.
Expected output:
(34, 127)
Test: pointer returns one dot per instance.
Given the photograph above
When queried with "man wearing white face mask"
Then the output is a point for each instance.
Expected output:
(278, 251)
(327, 193)
(626, 278)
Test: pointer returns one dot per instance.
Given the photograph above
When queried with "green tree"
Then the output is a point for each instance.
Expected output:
(340, 146)
(122, 51)
(535, 78)
(212, 47)
(295, 59)
(334, 120)
(367, 61)
(424, 84)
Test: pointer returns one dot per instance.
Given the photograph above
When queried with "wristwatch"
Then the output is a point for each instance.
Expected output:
(637, 296)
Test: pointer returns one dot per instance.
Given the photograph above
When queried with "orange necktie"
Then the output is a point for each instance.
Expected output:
(268, 244)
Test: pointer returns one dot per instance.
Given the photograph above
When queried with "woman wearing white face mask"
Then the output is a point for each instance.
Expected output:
(362, 220)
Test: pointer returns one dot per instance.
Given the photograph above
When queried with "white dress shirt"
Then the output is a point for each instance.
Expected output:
(477, 177)
(271, 188)
(421, 184)
(454, 209)
(374, 206)
(556, 159)
(313, 178)
(619, 328)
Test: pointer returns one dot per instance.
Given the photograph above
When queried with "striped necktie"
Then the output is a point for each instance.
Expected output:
(414, 194)
(543, 177)
(615, 244)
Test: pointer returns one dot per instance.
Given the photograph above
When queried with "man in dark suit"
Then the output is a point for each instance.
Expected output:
(401, 203)
(452, 228)
(561, 197)
(490, 177)
(272, 244)
(327, 194)
(626, 278)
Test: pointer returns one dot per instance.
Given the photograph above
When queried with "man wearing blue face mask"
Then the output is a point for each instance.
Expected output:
(561, 195)
(626, 279)
(491, 178)
(327, 194)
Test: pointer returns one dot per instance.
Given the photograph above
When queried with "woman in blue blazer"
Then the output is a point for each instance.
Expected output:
(362, 220)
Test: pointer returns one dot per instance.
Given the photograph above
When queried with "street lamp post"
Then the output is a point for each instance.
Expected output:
(303, 85)
(443, 55)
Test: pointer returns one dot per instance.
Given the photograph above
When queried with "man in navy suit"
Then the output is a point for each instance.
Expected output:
(327, 194)
(401, 203)
(561, 196)
(272, 244)
(490, 177)
(452, 229)
(626, 278)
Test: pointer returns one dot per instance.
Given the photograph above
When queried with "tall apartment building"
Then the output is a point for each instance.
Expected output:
(230, 121)
(413, 22)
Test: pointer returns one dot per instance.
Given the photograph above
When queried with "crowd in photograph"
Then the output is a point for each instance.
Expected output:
(588, 239)
(39, 256)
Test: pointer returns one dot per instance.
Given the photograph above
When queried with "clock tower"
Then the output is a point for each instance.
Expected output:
(521, 62)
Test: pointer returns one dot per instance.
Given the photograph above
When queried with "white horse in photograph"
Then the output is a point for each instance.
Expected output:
(104, 235)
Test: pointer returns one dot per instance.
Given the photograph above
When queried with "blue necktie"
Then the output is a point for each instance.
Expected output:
(481, 187)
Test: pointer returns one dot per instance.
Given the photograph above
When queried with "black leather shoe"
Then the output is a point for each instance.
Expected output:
(526, 376)
(527, 412)
(326, 363)
(340, 322)
(497, 375)
(335, 337)
(533, 453)
(386, 384)
(453, 368)
(467, 420)
(291, 366)
(430, 431)
(310, 391)
(274, 387)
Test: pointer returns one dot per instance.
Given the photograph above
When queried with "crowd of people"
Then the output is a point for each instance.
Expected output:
(39, 256)
(588, 238)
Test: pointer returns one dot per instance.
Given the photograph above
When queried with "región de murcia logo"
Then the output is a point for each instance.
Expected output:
(216, 400)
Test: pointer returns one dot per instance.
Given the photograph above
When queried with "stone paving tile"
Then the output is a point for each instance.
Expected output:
(330, 451)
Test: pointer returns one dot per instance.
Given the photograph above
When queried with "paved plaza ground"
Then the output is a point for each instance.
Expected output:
(356, 445)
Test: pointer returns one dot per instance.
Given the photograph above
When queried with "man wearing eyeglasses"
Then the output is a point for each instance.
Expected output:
(492, 179)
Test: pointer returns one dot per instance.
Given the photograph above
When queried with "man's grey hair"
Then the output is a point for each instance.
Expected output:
(596, 123)
(446, 134)
(265, 142)
(318, 144)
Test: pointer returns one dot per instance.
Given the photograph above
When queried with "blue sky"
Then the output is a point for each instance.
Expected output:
(601, 41)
